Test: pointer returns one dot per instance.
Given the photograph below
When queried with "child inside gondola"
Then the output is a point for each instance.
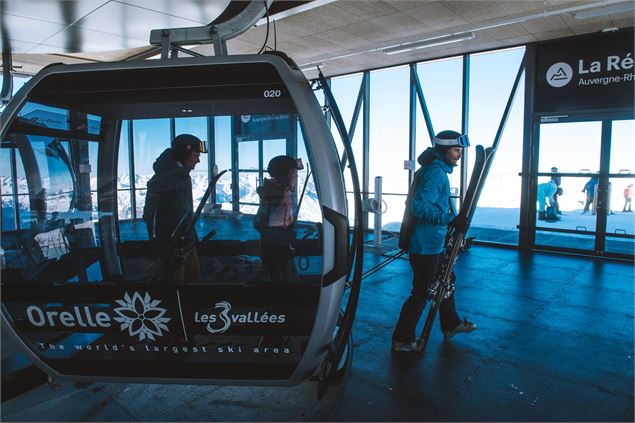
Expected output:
(275, 219)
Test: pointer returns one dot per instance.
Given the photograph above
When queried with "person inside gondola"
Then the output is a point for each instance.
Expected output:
(275, 219)
(169, 203)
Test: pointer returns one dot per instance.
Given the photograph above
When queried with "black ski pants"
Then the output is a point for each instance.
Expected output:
(424, 269)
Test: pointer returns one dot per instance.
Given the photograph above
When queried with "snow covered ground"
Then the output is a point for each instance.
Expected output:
(507, 219)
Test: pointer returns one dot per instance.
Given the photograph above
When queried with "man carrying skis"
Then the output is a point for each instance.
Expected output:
(169, 201)
(430, 210)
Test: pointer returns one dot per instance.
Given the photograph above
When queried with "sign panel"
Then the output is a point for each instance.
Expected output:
(161, 332)
(254, 127)
(590, 72)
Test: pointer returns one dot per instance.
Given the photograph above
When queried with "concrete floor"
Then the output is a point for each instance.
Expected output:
(554, 343)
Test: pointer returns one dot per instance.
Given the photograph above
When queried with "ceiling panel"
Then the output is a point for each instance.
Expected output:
(131, 21)
(61, 12)
(30, 30)
(474, 11)
(94, 41)
(329, 30)
(200, 11)
(387, 28)
(342, 38)
(366, 10)
(437, 16)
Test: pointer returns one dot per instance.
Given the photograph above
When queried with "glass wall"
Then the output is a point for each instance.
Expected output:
(389, 110)
(570, 148)
(620, 222)
(491, 80)
(346, 90)
(442, 86)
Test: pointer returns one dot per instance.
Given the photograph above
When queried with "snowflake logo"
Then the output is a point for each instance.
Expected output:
(141, 316)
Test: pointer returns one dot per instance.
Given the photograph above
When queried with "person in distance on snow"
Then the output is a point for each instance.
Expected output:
(275, 219)
(169, 201)
(429, 211)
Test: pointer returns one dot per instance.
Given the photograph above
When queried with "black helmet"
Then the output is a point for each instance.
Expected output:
(280, 166)
(184, 143)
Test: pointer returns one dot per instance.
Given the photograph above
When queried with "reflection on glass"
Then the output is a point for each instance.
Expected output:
(559, 140)
(123, 163)
(622, 147)
(621, 219)
(345, 90)
(389, 109)
(6, 181)
(42, 115)
(93, 149)
(442, 86)
(248, 184)
(123, 205)
(271, 149)
(228, 246)
(222, 138)
(491, 79)
(394, 209)
(140, 198)
(151, 138)
(248, 155)
(8, 213)
(196, 126)
(568, 210)
(565, 240)
(497, 214)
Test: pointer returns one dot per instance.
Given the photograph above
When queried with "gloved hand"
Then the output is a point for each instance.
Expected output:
(460, 223)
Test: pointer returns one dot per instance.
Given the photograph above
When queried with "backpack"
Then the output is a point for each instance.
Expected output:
(551, 214)
(409, 221)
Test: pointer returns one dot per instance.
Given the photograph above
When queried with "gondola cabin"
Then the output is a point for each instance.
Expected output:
(81, 291)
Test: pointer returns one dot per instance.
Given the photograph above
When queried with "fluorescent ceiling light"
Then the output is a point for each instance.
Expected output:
(311, 66)
(430, 42)
(604, 10)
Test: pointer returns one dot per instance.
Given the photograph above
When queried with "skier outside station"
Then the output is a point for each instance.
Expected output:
(169, 201)
(589, 188)
(628, 198)
(431, 211)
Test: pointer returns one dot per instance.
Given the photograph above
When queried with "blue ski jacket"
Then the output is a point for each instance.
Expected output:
(431, 204)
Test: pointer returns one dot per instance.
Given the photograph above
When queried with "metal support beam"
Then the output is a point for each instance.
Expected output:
(14, 185)
(366, 141)
(602, 210)
(412, 123)
(211, 154)
(527, 218)
(354, 118)
(422, 102)
(131, 170)
(465, 116)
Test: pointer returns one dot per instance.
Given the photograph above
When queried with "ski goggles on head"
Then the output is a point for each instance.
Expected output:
(460, 141)
(202, 147)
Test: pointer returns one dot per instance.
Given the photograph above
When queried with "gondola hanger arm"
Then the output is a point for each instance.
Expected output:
(214, 33)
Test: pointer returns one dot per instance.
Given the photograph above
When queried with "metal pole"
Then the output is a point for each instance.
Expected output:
(131, 171)
(412, 141)
(378, 202)
(366, 140)
(531, 136)
(465, 113)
